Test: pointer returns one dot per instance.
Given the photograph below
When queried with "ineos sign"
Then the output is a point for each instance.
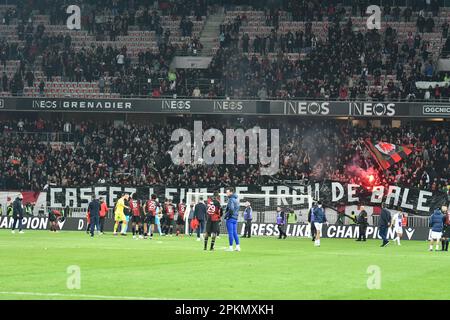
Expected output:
(306, 108)
(228, 106)
(45, 104)
(371, 109)
(176, 105)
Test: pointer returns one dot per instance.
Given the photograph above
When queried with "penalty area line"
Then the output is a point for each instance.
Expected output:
(74, 295)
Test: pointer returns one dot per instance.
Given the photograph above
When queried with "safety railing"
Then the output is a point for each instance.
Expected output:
(412, 221)
(48, 137)
(205, 92)
(332, 217)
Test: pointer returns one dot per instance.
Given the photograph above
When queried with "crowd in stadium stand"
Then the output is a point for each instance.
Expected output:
(337, 67)
(109, 66)
(137, 154)
(328, 68)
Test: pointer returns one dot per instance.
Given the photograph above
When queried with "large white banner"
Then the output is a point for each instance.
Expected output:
(331, 193)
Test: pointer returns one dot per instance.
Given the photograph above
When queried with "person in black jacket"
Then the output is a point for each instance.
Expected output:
(384, 224)
(362, 223)
(94, 211)
(200, 214)
(17, 213)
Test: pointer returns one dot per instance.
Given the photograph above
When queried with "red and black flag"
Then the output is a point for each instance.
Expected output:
(386, 154)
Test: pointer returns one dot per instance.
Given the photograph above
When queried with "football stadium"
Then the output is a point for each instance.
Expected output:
(224, 150)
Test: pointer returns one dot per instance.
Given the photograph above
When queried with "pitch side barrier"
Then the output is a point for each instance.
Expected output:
(297, 230)
(297, 107)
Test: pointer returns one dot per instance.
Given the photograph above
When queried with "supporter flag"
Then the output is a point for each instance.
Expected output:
(386, 154)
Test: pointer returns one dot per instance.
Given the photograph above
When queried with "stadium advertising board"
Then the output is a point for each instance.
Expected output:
(32, 223)
(340, 108)
(258, 229)
(436, 110)
(133, 105)
(334, 231)
(42, 223)
(206, 106)
(331, 193)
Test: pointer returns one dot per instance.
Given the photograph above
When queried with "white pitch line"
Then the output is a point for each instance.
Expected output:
(93, 296)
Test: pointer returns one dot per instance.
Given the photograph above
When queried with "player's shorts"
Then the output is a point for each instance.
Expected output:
(180, 220)
(212, 227)
(318, 227)
(119, 217)
(436, 235)
(136, 219)
(398, 229)
(150, 219)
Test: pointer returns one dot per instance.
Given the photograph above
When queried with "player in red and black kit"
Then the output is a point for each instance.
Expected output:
(53, 217)
(150, 213)
(214, 213)
(169, 211)
(136, 212)
(180, 219)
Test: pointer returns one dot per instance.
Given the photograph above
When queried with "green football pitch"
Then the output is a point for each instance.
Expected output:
(40, 265)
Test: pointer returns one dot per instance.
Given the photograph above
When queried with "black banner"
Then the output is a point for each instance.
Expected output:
(366, 109)
(330, 192)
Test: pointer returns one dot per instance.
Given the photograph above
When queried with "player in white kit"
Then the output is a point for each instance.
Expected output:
(397, 224)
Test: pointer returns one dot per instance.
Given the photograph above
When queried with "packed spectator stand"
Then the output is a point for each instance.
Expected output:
(32, 155)
(119, 48)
